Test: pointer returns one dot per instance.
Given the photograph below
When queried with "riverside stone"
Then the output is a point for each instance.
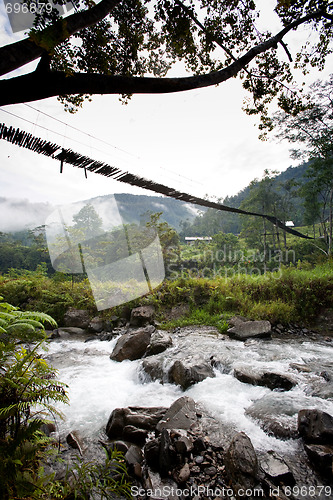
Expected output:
(133, 344)
(133, 423)
(250, 329)
(321, 456)
(315, 426)
(241, 462)
(77, 317)
(180, 415)
(276, 468)
(142, 315)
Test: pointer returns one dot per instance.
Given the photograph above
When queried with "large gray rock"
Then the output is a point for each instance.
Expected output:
(180, 415)
(133, 423)
(68, 332)
(267, 379)
(241, 463)
(133, 344)
(315, 426)
(186, 374)
(250, 329)
(321, 456)
(159, 342)
(142, 315)
(153, 368)
(77, 317)
(276, 469)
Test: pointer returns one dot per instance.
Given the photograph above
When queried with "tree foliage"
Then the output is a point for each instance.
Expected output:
(128, 46)
(312, 130)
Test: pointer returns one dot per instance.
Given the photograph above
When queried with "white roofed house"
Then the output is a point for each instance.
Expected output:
(190, 240)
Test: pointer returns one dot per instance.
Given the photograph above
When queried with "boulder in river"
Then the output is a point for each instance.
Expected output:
(276, 469)
(186, 374)
(271, 380)
(133, 344)
(243, 330)
(315, 426)
(159, 342)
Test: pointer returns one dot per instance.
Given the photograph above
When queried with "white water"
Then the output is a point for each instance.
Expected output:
(97, 385)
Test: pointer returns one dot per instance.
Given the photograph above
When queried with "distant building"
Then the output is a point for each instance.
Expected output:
(189, 240)
(290, 223)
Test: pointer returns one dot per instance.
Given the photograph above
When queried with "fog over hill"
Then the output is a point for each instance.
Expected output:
(21, 214)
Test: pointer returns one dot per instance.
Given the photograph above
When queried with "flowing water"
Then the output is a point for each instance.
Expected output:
(97, 384)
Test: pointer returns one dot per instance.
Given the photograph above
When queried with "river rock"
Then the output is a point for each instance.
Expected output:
(250, 329)
(153, 368)
(241, 463)
(133, 344)
(166, 456)
(133, 423)
(77, 317)
(74, 440)
(133, 455)
(186, 374)
(70, 331)
(321, 456)
(159, 342)
(140, 316)
(96, 325)
(276, 469)
(315, 426)
(267, 379)
(180, 415)
(151, 453)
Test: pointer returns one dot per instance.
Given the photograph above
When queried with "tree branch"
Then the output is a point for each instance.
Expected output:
(18, 54)
(37, 86)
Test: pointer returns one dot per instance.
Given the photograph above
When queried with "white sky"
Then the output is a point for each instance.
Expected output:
(199, 141)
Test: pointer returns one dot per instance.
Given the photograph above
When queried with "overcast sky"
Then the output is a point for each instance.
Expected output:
(199, 141)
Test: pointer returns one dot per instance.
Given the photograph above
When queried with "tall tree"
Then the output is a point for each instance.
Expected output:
(128, 46)
(312, 130)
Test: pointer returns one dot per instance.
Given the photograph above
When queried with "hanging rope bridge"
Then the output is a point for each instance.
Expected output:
(26, 140)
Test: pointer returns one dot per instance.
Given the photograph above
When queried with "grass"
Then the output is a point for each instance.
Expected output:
(292, 294)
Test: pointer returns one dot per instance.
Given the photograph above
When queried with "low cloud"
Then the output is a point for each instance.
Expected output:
(19, 214)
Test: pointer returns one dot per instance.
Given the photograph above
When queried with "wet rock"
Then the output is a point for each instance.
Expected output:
(276, 414)
(48, 428)
(118, 446)
(183, 475)
(133, 423)
(266, 379)
(276, 469)
(133, 455)
(184, 445)
(185, 374)
(180, 415)
(166, 456)
(142, 315)
(321, 456)
(132, 345)
(300, 367)
(315, 426)
(250, 329)
(159, 342)
(160, 489)
(151, 453)
(75, 441)
(71, 331)
(153, 368)
(96, 325)
(77, 317)
(241, 462)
